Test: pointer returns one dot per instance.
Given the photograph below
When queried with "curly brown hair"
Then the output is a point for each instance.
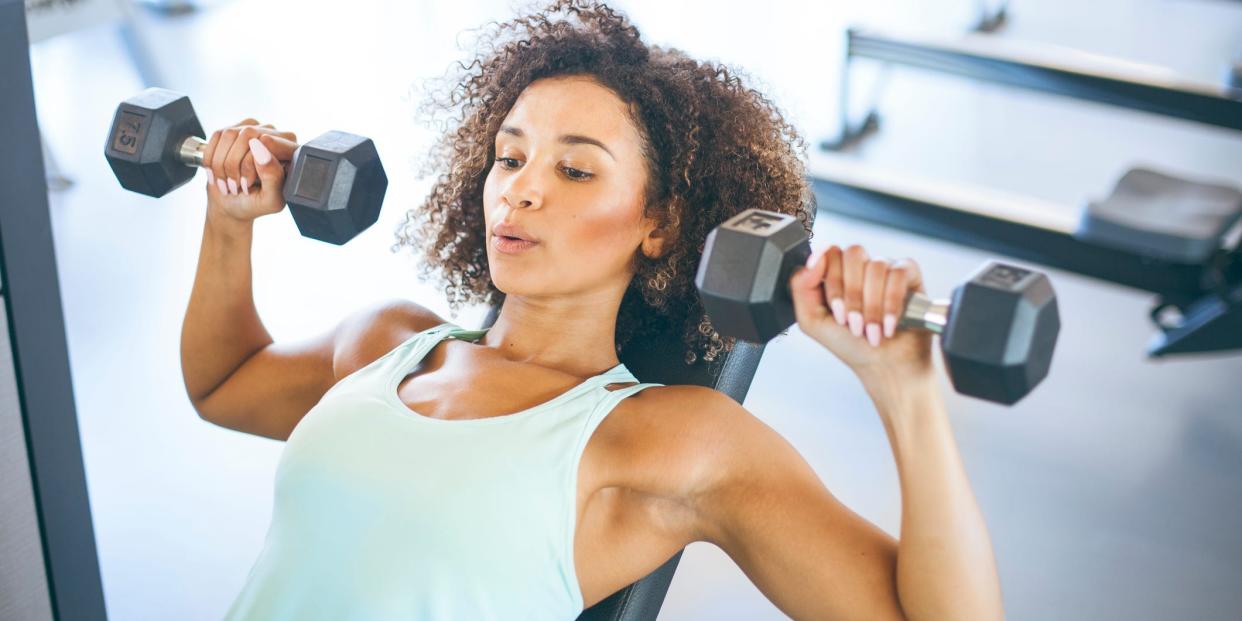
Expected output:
(714, 147)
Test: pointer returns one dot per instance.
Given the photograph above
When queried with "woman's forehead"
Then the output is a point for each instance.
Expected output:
(572, 105)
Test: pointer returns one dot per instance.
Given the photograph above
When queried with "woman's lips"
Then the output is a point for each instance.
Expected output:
(511, 245)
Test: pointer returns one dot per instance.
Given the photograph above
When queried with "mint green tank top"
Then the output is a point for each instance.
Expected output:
(383, 514)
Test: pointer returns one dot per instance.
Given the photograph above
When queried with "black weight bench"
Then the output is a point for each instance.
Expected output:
(1160, 215)
(1176, 237)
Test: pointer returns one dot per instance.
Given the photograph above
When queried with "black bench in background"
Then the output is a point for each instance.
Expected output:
(1043, 68)
(1174, 237)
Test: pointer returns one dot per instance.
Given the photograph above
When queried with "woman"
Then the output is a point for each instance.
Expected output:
(433, 472)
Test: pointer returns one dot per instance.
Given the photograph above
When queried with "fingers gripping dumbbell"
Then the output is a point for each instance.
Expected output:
(334, 189)
(997, 332)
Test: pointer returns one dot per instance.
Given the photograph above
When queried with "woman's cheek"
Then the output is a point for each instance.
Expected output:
(489, 188)
(612, 244)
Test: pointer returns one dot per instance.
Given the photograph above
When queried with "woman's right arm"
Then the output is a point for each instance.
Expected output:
(235, 376)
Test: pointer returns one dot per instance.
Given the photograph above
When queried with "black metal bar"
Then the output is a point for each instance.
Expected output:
(57, 502)
(1212, 323)
(992, 61)
(905, 210)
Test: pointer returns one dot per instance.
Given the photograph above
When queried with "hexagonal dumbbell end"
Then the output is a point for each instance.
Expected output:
(743, 276)
(1000, 333)
(336, 187)
(147, 131)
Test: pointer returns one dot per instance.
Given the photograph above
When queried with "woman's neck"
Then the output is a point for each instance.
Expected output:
(577, 337)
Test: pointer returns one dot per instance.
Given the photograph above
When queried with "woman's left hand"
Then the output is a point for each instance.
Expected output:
(851, 304)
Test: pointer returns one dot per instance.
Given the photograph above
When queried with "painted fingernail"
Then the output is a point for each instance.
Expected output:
(211, 178)
(232, 186)
(838, 310)
(224, 189)
(261, 155)
(873, 334)
(245, 186)
(856, 323)
(890, 326)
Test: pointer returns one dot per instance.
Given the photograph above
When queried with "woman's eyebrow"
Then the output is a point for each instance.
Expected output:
(580, 139)
(565, 139)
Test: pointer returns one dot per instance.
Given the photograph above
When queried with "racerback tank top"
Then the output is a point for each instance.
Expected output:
(381, 513)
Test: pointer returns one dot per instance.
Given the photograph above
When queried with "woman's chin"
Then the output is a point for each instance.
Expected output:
(510, 284)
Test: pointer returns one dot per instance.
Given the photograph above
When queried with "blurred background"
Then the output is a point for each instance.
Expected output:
(1111, 492)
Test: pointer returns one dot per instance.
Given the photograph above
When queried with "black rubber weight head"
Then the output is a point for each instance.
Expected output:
(336, 187)
(1001, 332)
(147, 130)
(743, 277)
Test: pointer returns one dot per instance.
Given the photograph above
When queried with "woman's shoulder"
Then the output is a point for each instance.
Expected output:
(681, 411)
(682, 401)
(376, 329)
(665, 435)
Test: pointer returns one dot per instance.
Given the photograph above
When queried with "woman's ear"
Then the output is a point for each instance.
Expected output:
(654, 243)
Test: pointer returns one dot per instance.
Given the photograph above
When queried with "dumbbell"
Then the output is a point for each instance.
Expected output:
(334, 189)
(997, 332)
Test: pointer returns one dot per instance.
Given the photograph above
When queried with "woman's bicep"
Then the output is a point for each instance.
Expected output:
(273, 389)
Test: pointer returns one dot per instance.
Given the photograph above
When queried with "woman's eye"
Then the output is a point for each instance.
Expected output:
(574, 173)
(507, 162)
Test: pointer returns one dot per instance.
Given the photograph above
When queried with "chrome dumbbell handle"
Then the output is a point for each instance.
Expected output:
(190, 151)
(924, 313)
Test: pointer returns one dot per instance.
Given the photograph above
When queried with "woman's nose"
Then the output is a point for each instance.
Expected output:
(525, 188)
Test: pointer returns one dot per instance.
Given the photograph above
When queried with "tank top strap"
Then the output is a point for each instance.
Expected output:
(456, 331)
(617, 375)
(418, 345)
(622, 393)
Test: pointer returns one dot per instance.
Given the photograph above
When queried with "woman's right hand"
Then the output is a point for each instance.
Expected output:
(246, 169)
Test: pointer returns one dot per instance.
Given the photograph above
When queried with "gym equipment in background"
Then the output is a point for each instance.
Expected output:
(1174, 237)
(997, 333)
(1042, 68)
(992, 16)
(49, 568)
(46, 19)
(334, 189)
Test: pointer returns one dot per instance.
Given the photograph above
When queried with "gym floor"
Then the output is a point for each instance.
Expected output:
(1111, 492)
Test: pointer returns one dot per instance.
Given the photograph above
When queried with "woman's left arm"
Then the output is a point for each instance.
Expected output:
(808, 553)
(945, 565)
(756, 498)
(850, 303)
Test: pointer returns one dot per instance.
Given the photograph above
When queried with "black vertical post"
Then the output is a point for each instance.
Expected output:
(47, 544)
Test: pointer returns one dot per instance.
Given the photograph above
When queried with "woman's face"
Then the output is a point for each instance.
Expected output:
(570, 172)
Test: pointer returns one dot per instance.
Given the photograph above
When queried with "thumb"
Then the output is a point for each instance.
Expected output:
(271, 173)
(806, 287)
